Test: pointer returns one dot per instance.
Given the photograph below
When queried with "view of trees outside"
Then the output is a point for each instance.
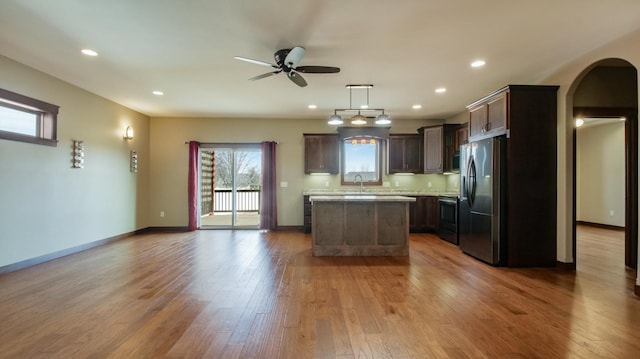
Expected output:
(360, 159)
(247, 165)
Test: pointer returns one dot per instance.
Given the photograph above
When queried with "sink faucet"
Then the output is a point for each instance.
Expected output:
(356, 178)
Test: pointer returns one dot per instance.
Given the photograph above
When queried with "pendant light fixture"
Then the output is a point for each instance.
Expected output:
(359, 119)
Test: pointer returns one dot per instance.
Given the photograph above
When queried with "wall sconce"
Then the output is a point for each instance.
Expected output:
(77, 156)
(133, 162)
(128, 133)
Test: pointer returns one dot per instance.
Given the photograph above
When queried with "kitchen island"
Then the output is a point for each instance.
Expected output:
(360, 225)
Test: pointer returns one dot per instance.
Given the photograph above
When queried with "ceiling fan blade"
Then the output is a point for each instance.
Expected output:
(297, 79)
(294, 56)
(317, 69)
(258, 62)
(265, 75)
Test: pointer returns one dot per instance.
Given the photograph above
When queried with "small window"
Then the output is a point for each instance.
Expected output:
(27, 120)
(361, 156)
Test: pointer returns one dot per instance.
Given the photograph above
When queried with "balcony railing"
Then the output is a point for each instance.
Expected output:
(247, 200)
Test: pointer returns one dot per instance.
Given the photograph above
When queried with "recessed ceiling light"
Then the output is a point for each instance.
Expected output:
(416, 107)
(158, 93)
(89, 52)
(441, 90)
(312, 107)
(478, 63)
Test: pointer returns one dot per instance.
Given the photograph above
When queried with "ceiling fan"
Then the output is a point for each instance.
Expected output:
(287, 60)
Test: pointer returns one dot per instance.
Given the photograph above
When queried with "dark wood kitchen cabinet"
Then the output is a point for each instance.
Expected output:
(489, 118)
(439, 148)
(433, 140)
(404, 153)
(423, 214)
(462, 135)
(321, 153)
(306, 205)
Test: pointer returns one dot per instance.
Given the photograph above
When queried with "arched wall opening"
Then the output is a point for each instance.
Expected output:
(606, 88)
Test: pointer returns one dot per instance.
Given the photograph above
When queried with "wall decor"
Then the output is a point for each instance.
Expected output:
(77, 156)
(133, 162)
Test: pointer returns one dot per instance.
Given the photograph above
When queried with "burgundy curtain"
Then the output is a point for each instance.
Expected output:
(268, 210)
(193, 185)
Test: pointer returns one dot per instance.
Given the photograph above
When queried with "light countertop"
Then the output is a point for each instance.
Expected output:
(376, 192)
(361, 198)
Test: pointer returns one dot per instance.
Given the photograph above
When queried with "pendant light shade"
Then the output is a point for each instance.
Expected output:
(335, 119)
(358, 120)
(383, 119)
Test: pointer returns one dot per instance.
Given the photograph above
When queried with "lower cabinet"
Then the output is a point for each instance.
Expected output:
(307, 214)
(423, 214)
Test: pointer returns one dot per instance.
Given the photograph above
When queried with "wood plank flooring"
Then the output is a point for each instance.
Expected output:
(247, 294)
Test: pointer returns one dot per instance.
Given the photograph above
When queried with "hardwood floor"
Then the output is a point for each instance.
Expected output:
(246, 294)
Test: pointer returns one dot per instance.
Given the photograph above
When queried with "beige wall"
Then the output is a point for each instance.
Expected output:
(567, 78)
(169, 158)
(600, 184)
(46, 206)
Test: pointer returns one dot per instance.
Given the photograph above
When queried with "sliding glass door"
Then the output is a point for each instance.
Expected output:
(230, 185)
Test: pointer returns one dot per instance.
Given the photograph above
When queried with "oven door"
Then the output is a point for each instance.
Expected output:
(448, 229)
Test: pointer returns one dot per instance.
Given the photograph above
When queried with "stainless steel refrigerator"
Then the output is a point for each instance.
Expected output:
(482, 200)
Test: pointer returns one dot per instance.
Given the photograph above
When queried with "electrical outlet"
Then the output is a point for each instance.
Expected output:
(397, 184)
(161, 213)
(284, 184)
(326, 183)
(611, 213)
(429, 184)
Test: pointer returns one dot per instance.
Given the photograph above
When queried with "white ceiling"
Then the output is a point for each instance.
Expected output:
(406, 48)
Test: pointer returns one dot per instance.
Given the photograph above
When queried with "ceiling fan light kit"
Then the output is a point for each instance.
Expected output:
(287, 61)
(359, 119)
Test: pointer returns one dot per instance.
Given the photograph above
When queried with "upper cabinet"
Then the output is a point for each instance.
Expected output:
(462, 135)
(404, 153)
(488, 118)
(440, 148)
(433, 141)
(321, 153)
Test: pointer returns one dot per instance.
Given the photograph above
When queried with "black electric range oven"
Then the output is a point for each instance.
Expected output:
(449, 225)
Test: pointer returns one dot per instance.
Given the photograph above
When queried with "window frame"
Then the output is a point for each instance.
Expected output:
(347, 142)
(47, 121)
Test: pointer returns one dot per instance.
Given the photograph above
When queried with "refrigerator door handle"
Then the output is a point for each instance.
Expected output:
(464, 187)
(471, 187)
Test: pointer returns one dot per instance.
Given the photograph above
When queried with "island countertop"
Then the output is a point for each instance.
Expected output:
(361, 198)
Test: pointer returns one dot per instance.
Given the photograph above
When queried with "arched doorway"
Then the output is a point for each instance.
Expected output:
(608, 91)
